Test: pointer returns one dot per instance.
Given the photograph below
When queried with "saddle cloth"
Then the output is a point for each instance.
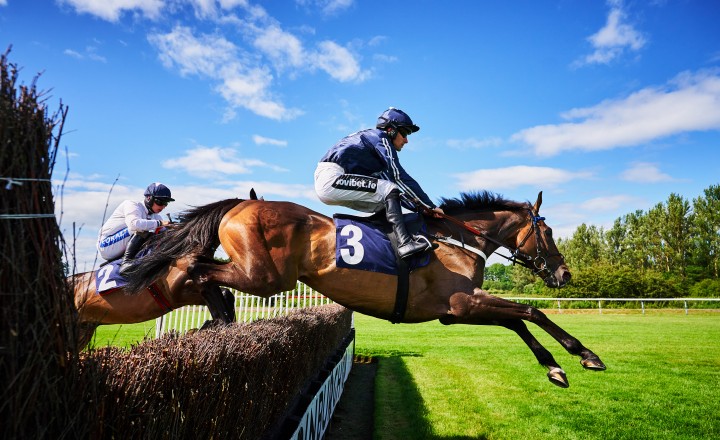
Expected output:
(108, 277)
(363, 243)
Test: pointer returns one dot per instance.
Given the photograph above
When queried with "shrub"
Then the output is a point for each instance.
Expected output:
(707, 288)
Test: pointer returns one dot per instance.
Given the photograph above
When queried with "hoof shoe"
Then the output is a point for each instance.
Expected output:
(593, 364)
(557, 377)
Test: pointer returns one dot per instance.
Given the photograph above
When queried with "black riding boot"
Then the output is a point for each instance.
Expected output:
(407, 244)
(133, 247)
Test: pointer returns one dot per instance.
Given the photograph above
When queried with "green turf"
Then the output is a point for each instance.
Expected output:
(462, 382)
(122, 335)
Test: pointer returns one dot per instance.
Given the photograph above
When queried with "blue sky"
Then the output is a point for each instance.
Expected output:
(606, 106)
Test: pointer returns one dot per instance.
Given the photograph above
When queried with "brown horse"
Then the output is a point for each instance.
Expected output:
(170, 291)
(273, 244)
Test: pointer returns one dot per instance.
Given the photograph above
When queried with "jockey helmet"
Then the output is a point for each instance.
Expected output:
(157, 193)
(396, 118)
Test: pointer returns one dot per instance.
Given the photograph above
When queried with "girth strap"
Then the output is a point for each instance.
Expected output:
(403, 285)
(160, 298)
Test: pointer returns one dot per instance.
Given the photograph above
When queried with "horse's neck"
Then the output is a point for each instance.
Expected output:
(501, 226)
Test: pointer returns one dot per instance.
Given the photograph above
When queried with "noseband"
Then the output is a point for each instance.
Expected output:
(537, 265)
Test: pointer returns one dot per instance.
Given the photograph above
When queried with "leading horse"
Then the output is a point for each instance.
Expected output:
(272, 245)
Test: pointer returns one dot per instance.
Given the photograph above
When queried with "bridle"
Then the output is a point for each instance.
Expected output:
(538, 265)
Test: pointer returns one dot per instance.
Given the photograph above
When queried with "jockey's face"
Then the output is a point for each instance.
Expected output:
(157, 209)
(401, 138)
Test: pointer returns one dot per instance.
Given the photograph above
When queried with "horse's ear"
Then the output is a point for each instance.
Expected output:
(536, 208)
(253, 196)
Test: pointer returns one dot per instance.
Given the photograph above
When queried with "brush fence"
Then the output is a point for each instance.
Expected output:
(248, 308)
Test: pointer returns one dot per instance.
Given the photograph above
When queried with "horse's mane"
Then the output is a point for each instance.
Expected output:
(480, 201)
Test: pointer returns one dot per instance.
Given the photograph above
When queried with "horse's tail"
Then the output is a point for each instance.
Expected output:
(196, 234)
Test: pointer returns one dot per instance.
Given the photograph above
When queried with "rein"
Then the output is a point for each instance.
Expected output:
(537, 265)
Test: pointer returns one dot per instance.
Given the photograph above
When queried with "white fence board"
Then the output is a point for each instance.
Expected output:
(248, 308)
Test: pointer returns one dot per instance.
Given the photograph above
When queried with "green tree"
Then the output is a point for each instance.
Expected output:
(675, 233)
(585, 248)
(706, 230)
(635, 243)
(498, 276)
(616, 243)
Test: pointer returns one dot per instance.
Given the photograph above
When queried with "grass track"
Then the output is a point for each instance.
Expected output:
(462, 382)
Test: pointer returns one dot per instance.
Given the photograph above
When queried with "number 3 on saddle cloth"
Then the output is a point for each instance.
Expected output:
(363, 243)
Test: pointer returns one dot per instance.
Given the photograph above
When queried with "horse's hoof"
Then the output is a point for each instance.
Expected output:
(593, 363)
(557, 377)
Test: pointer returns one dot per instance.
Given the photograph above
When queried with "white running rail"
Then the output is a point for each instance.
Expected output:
(248, 308)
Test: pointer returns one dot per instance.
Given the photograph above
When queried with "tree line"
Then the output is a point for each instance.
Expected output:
(670, 250)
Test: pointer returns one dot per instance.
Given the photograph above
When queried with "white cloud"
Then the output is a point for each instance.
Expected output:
(74, 54)
(513, 177)
(285, 51)
(328, 7)
(337, 62)
(283, 48)
(204, 55)
(643, 172)
(241, 82)
(90, 53)
(609, 203)
(614, 38)
(261, 140)
(111, 10)
(690, 102)
(213, 162)
(242, 75)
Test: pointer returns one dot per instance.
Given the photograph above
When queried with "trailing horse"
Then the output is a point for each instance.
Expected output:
(101, 297)
(272, 245)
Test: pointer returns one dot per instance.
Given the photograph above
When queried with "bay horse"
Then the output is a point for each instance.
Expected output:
(172, 290)
(273, 244)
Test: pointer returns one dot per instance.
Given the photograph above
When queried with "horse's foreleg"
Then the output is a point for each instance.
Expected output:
(588, 359)
(466, 310)
(555, 373)
(482, 308)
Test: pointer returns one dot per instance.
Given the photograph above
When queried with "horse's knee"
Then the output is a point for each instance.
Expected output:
(535, 315)
(461, 306)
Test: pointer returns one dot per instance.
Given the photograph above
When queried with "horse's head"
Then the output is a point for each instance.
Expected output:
(539, 249)
(515, 226)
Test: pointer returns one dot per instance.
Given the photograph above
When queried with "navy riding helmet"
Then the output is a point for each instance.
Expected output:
(396, 118)
(157, 192)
